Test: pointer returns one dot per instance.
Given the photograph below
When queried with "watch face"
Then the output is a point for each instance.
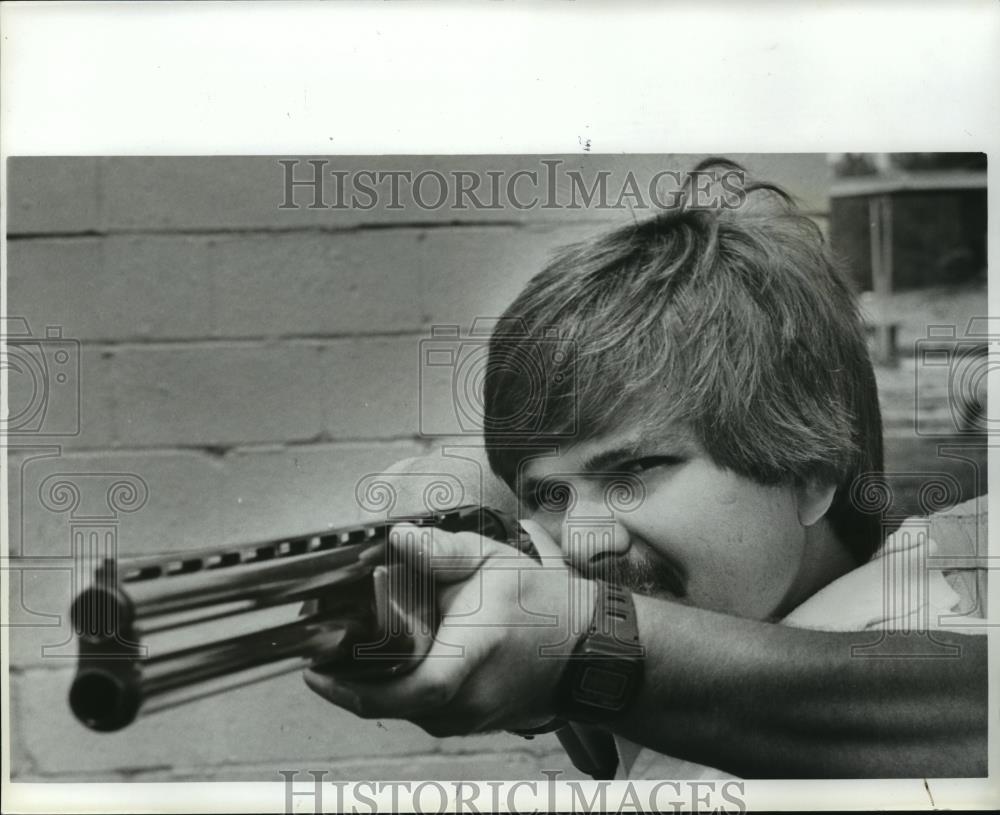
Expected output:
(600, 686)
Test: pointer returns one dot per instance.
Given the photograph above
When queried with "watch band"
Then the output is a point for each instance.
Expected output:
(604, 673)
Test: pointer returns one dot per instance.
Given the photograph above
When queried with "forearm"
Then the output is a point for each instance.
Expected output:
(764, 700)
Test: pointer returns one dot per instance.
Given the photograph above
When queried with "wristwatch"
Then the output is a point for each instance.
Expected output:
(604, 673)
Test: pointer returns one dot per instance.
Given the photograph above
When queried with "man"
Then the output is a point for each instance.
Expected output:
(686, 411)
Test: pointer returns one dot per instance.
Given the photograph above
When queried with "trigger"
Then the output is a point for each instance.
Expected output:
(522, 542)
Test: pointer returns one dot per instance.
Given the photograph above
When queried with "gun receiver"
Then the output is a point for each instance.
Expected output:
(341, 598)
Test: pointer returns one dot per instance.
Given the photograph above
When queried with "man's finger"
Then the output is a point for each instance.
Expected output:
(425, 690)
(331, 690)
(451, 556)
(548, 550)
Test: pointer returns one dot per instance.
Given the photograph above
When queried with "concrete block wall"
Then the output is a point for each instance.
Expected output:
(244, 366)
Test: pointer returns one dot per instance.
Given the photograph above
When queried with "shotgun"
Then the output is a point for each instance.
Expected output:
(147, 628)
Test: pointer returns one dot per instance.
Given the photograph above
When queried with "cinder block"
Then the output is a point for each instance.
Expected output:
(58, 282)
(193, 499)
(157, 286)
(149, 287)
(393, 387)
(377, 281)
(248, 192)
(316, 283)
(189, 193)
(477, 272)
(51, 194)
(300, 488)
(113, 288)
(370, 387)
(57, 392)
(257, 724)
(217, 394)
(183, 501)
(447, 476)
(306, 283)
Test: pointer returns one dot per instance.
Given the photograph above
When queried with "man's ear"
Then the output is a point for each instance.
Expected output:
(813, 499)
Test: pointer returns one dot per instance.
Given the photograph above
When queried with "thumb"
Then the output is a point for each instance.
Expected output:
(548, 550)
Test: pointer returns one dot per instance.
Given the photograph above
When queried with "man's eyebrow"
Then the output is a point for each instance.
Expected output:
(607, 458)
(672, 442)
(597, 463)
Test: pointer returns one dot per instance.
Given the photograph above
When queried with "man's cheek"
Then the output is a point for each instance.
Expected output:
(712, 592)
(741, 589)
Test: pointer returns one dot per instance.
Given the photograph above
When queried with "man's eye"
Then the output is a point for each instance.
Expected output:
(640, 465)
(552, 496)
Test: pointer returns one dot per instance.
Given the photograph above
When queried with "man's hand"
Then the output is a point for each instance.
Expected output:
(507, 625)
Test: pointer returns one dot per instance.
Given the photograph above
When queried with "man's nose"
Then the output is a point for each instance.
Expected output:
(588, 539)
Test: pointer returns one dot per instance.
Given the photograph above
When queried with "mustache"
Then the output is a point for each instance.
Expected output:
(638, 573)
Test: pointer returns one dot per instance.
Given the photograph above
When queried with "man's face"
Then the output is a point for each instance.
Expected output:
(694, 533)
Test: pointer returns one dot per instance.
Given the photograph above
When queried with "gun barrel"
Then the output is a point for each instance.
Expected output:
(108, 697)
(261, 584)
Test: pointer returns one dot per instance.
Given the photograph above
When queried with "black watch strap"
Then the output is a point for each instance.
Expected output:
(604, 673)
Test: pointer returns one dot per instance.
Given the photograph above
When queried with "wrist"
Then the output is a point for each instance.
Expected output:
(582, 601)
(578, 599)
